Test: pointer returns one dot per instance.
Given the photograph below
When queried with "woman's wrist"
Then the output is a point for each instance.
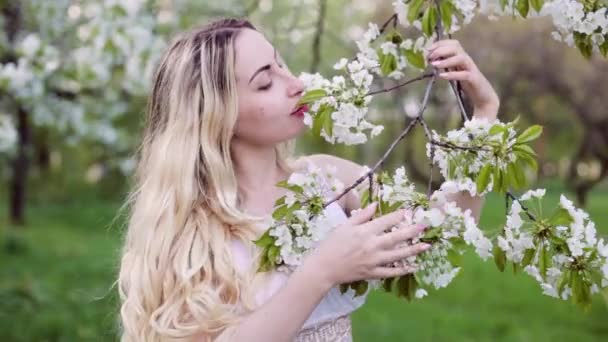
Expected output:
(316, 271)
(487, 111)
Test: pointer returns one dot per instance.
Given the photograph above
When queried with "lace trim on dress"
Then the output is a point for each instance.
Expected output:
(337, 330)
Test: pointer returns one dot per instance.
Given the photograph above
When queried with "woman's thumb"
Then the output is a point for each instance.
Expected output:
(359, 216)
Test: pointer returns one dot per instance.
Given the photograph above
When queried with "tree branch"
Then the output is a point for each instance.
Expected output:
(316, 44)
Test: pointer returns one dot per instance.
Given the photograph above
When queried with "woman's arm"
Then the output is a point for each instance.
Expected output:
(352, 251)
(272, 321)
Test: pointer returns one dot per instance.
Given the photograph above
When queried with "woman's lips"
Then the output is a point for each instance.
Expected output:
(300, 110)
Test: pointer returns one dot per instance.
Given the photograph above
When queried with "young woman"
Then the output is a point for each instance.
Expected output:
(218, 138)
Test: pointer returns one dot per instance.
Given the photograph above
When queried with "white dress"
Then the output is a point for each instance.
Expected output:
(330, 319)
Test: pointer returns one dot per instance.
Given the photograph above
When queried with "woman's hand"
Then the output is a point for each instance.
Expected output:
(360, 249)
(449, 53)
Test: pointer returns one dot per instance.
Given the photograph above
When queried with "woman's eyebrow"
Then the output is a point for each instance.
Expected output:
(264, 68)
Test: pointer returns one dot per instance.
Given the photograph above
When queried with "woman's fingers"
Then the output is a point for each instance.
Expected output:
(391, 272)
(456, 75)
(362, 215)
(384, 222)
(406, 232)
(454, 61)
(401, 253)
(442, 52)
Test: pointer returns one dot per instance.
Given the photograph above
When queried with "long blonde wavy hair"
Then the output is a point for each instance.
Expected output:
(177, 275)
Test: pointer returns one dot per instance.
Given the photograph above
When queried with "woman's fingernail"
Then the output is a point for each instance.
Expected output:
(436, 63)
(426, 246)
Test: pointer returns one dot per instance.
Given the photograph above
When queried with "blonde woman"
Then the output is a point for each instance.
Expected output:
(219, 127)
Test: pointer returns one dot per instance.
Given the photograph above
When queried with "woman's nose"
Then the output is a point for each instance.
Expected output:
(296, 87)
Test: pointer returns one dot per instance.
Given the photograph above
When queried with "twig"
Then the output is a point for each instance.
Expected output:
(419, 78)
(449, 145)
(455, 85)
(393, 18)
(525, 209)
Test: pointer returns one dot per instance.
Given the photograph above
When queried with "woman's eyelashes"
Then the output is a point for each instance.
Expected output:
(266, 87)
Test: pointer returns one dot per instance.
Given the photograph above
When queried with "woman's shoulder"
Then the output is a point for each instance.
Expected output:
(347, 172)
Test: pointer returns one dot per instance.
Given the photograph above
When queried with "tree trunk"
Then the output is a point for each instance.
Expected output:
(20, 170)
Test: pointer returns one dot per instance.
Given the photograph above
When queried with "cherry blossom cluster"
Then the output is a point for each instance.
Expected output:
(299, 222)
(338, 107)
(584, 24)
(561, 250)
(462, 153)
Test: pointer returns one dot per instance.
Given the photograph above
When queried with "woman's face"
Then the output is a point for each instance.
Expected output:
(267, 92)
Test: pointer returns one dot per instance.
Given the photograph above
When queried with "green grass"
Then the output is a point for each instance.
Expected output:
(56, 277)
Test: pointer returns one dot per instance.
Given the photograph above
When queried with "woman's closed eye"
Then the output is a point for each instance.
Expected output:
(266, 87)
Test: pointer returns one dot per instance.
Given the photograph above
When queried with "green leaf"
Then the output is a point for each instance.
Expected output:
(515, 268)
(604, 46)
(414, 10)
(429, 20)
(320, 119)
(361, 288)
(344, 288)
(521, 149)
(328, 124)
(537, 4)
(526, 159)
(454, 257)
(312, 95)
(317, 122)
(496, 129)
(292, 187)
(273, 253)
(458, 243)
(497, 180)
(563, 281)
(500, 258)
(280, 201)
(280, 212)
(528, 257)
(384, 207)
(581, 293)
(265, 240)
(517, 174)
(387, 284)
(365, 198)
(415, 58)
(544, 260)
(413, 285)
(523, 7)
(265, 264)
(483, 178)
(561, 217)
(530, 134)
(431, 233)
(388, 64)
(403, 287)
(503, 4)
(583, 43)
(446, 8)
